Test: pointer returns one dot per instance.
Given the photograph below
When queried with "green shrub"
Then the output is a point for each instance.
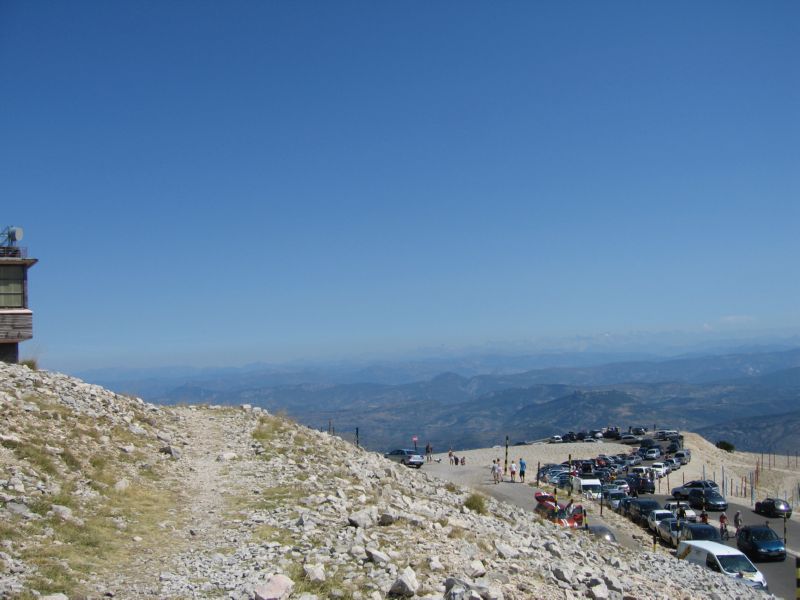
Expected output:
(31, 364)
(727, 446)
(476, 503)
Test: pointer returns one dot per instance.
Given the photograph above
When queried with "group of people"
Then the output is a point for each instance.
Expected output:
(455, 460)
(497, 471)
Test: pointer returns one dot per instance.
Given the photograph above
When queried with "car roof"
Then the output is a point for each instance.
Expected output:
(713, 547)
(759, 527)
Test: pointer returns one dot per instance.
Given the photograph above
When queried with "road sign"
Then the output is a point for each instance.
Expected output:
(414, 438)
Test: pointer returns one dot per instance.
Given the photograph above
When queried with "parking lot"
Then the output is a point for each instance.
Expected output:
(476, 474)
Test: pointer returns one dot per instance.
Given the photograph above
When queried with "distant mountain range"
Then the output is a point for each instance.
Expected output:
(732, 396)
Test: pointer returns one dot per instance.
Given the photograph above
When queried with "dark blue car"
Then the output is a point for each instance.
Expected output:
(759, 542)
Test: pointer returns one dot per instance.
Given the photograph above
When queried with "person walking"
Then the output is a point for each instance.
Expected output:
(429, 452)
(513, 471)
(522, 466)
(495, 471)
(450, 456)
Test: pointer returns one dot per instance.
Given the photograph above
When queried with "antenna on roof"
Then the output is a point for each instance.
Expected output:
(10, 236)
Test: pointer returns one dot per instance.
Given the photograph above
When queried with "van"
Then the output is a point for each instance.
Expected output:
(640, 471)
(589, 488)
(722, 559)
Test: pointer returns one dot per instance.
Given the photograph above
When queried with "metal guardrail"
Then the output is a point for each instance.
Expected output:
(13, 252)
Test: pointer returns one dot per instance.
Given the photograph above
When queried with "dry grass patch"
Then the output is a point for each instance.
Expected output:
(324, 589)
(34, 454)
(270, 533)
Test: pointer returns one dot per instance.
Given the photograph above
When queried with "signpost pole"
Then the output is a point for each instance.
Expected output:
(505, 466)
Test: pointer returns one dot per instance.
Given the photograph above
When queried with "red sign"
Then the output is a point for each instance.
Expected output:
(414, 438)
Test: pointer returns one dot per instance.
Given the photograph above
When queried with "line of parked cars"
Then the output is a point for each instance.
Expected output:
(677, 526)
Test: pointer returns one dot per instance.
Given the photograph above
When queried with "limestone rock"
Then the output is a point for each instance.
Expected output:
(277, 587)
(406, 585)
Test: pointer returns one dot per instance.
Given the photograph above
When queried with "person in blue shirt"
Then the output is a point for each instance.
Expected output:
(522, 467)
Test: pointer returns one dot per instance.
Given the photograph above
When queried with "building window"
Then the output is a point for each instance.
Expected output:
(12, 286)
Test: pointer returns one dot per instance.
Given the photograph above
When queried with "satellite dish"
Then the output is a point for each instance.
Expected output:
(15, 234)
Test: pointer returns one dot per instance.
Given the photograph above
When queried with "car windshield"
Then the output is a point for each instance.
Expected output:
(736, 563)
(764, 535)
(616, 495)
(781, 505)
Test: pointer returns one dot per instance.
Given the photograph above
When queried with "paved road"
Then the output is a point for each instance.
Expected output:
(780, 575)
(521, 495)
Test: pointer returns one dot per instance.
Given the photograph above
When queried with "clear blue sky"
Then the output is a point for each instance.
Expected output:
(224, 182)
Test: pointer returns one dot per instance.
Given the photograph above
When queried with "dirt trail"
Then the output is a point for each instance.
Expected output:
(199, 480)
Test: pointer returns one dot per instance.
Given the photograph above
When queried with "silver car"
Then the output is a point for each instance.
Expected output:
(406, 457)
(669, 531)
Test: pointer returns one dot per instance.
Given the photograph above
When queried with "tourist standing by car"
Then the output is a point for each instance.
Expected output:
(522, 466)
(737, 521)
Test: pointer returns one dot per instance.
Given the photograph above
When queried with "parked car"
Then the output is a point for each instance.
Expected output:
(612, 499)
(684, 456)
(641, 485)
(707, 499)
(406, 457)
(675, 506)
(640, 509)
(774, 507)
(628, 439)
(556, 439)
(759, 542)
(656, 516)
(682, 491)
(668, 531)
(633, 460)
(652, 453)
(622, 484)
(722, 559)
(659, 469)
(698, 531)
(673, 464)
(624, 505)
(638, 430)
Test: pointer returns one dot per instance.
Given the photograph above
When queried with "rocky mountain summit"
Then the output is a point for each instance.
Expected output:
(104, 495)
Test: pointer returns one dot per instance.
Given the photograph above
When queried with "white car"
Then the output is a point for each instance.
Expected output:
(656, 516)
(622, 484)
(556, 439)
(660, 469)
(675, 505)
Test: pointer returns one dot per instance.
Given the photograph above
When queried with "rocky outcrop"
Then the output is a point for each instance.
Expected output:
(260, 507)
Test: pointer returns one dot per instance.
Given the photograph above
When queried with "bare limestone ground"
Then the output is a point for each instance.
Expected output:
(106, 495)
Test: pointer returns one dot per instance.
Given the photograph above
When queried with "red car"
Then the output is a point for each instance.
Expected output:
(566, 515)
